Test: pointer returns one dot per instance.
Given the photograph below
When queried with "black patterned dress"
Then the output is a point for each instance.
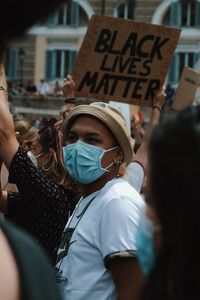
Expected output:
(41, 207)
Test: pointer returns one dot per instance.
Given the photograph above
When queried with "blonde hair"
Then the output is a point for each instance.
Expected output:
(27, 132)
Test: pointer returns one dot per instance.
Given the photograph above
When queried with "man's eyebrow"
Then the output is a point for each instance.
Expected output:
(91, 134)
(88, 134)
(71, 132)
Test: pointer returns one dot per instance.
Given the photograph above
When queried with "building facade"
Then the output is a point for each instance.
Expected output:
(49, 49)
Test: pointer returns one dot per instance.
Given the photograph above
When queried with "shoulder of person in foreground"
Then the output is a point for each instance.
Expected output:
(25, 269)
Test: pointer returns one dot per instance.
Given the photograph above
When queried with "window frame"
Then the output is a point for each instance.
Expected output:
(12, 63)
(125, 3)
(51, 62)
(175, 70)
(58, 14)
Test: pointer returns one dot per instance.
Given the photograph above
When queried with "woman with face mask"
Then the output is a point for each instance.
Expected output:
(168, 243)
(41, 205)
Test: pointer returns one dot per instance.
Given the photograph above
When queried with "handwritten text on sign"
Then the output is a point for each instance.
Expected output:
(123, 60)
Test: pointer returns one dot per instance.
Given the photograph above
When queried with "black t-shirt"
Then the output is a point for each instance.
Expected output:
(31, 88)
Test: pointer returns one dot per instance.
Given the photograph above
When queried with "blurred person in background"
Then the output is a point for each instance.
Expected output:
(57, 90)
(43, 88)
(26, 134)
(31, 88)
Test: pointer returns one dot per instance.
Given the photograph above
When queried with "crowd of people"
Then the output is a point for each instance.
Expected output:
(30, 89)
(91, 212)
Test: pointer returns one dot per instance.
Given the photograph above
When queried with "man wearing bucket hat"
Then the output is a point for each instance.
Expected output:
(96, 258)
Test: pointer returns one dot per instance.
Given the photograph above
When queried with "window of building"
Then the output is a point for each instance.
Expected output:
(183, 13)
(68, 14)
(188, 14)
(12, 63)
(59, 63)
(125, 10)
(181, 59)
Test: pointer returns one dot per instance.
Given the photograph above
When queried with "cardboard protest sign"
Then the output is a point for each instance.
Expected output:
(187, 89)
(123, 60)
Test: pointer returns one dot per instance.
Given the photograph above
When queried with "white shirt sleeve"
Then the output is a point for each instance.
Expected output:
(134, 175)
(119, 223)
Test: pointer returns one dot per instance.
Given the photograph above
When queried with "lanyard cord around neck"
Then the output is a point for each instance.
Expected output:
(79, 216)
(61, 256)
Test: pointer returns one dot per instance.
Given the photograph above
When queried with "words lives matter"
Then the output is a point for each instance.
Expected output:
(121, 65)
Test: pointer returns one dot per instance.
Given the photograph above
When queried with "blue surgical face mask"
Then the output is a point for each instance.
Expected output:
(145, 244)
(32, 158)
(83, 161)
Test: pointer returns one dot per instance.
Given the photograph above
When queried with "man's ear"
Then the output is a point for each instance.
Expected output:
(119, 156)
(25, 146)
(122, 170)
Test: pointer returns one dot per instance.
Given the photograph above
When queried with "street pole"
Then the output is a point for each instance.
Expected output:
(22, 54)
(22, 67)
(103, 4)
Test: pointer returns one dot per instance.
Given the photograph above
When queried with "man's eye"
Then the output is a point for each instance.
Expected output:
(71, 139)
(92, 141)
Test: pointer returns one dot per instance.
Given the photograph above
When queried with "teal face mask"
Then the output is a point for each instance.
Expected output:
(145, 244)
(83, 161)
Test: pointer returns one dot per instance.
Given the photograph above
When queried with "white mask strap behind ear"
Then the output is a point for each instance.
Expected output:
(39, 155)
(106, 169)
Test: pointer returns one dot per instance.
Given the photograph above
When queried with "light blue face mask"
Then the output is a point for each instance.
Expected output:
(83, 161)
(32, 158)
(145, 244)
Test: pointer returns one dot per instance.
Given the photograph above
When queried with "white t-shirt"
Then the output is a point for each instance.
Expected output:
(43, 88)
(107, 228)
